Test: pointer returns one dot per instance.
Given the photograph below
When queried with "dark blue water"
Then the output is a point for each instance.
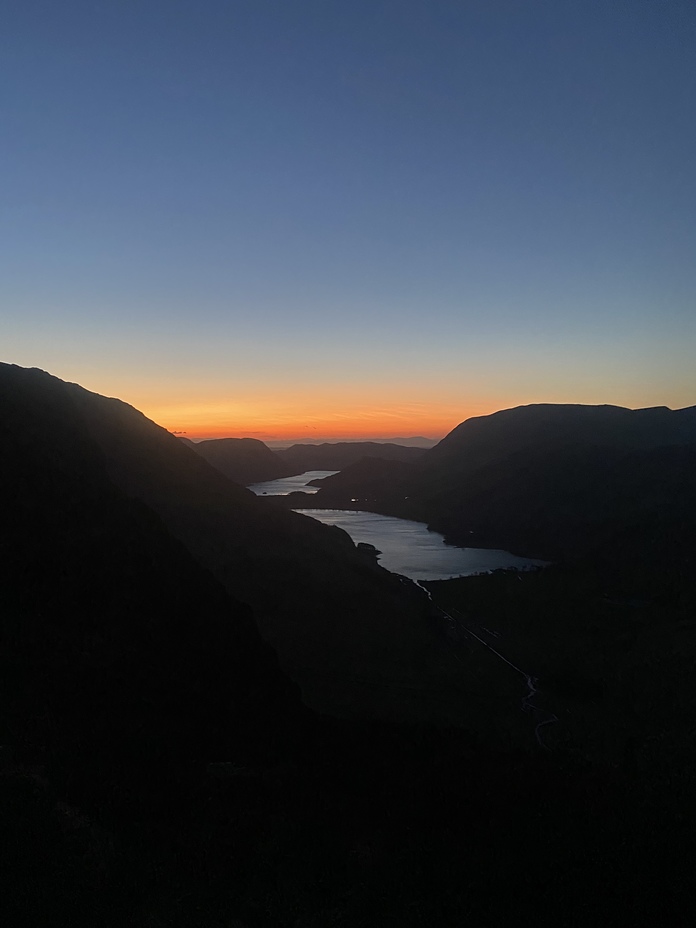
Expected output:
(407, 547)
(286, 485)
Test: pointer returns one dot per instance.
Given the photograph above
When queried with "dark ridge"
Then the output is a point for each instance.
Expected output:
(244, 460)
(552, 427)
(368, 473)
(332, 614)
(338, 455)
(123, 661)
(551, 481)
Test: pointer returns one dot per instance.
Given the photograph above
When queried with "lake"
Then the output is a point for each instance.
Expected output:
(295, 484)
(407, 547)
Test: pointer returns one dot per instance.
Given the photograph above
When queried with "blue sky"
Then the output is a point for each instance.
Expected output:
(224, 208)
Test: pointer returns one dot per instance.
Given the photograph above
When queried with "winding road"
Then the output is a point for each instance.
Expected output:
(544, 717)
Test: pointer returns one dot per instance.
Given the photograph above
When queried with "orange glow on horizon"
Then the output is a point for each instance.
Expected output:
(268, 422)
(292, 412)
(300, 433)
(328, 430)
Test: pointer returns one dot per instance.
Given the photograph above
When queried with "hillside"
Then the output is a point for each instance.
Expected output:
(565, 479)
(341, 454)
(548, 426)
(370, 474)
(123, 661)
(549, 481)
(349, 632)
(248, 460)
(244, 460)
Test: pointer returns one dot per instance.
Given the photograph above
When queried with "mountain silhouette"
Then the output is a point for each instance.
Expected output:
(123, 660)
(548, 427)
(248, 460)
(548, 481)
(338, 455)
(244, 460)
(387, 479)
(334, 616)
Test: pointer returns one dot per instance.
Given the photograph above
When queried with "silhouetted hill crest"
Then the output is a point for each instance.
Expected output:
(546, 425)
(122, 658)
(331, 615)
(339, 455)
(549, 481)
(244, 460)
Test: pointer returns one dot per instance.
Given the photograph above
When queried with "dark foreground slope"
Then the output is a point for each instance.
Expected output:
(116, 642)
(244, 460)
(353, 636)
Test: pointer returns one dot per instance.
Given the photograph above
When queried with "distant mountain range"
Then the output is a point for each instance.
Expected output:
(413, 441)
(247, 460)
(336, 456)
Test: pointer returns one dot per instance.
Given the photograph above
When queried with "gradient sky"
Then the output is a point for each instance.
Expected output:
(347, 218)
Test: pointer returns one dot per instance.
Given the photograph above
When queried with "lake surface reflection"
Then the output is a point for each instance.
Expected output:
(408, 548)
(294, 484)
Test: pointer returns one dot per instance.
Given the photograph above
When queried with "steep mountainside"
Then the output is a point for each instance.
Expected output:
(545, 427)
(343, 627)
(244, 460)
(564, 479)
(123, 661)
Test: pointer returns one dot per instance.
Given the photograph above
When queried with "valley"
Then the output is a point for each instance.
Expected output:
(218, 711)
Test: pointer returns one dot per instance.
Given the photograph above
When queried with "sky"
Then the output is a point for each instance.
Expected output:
(350, 218)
